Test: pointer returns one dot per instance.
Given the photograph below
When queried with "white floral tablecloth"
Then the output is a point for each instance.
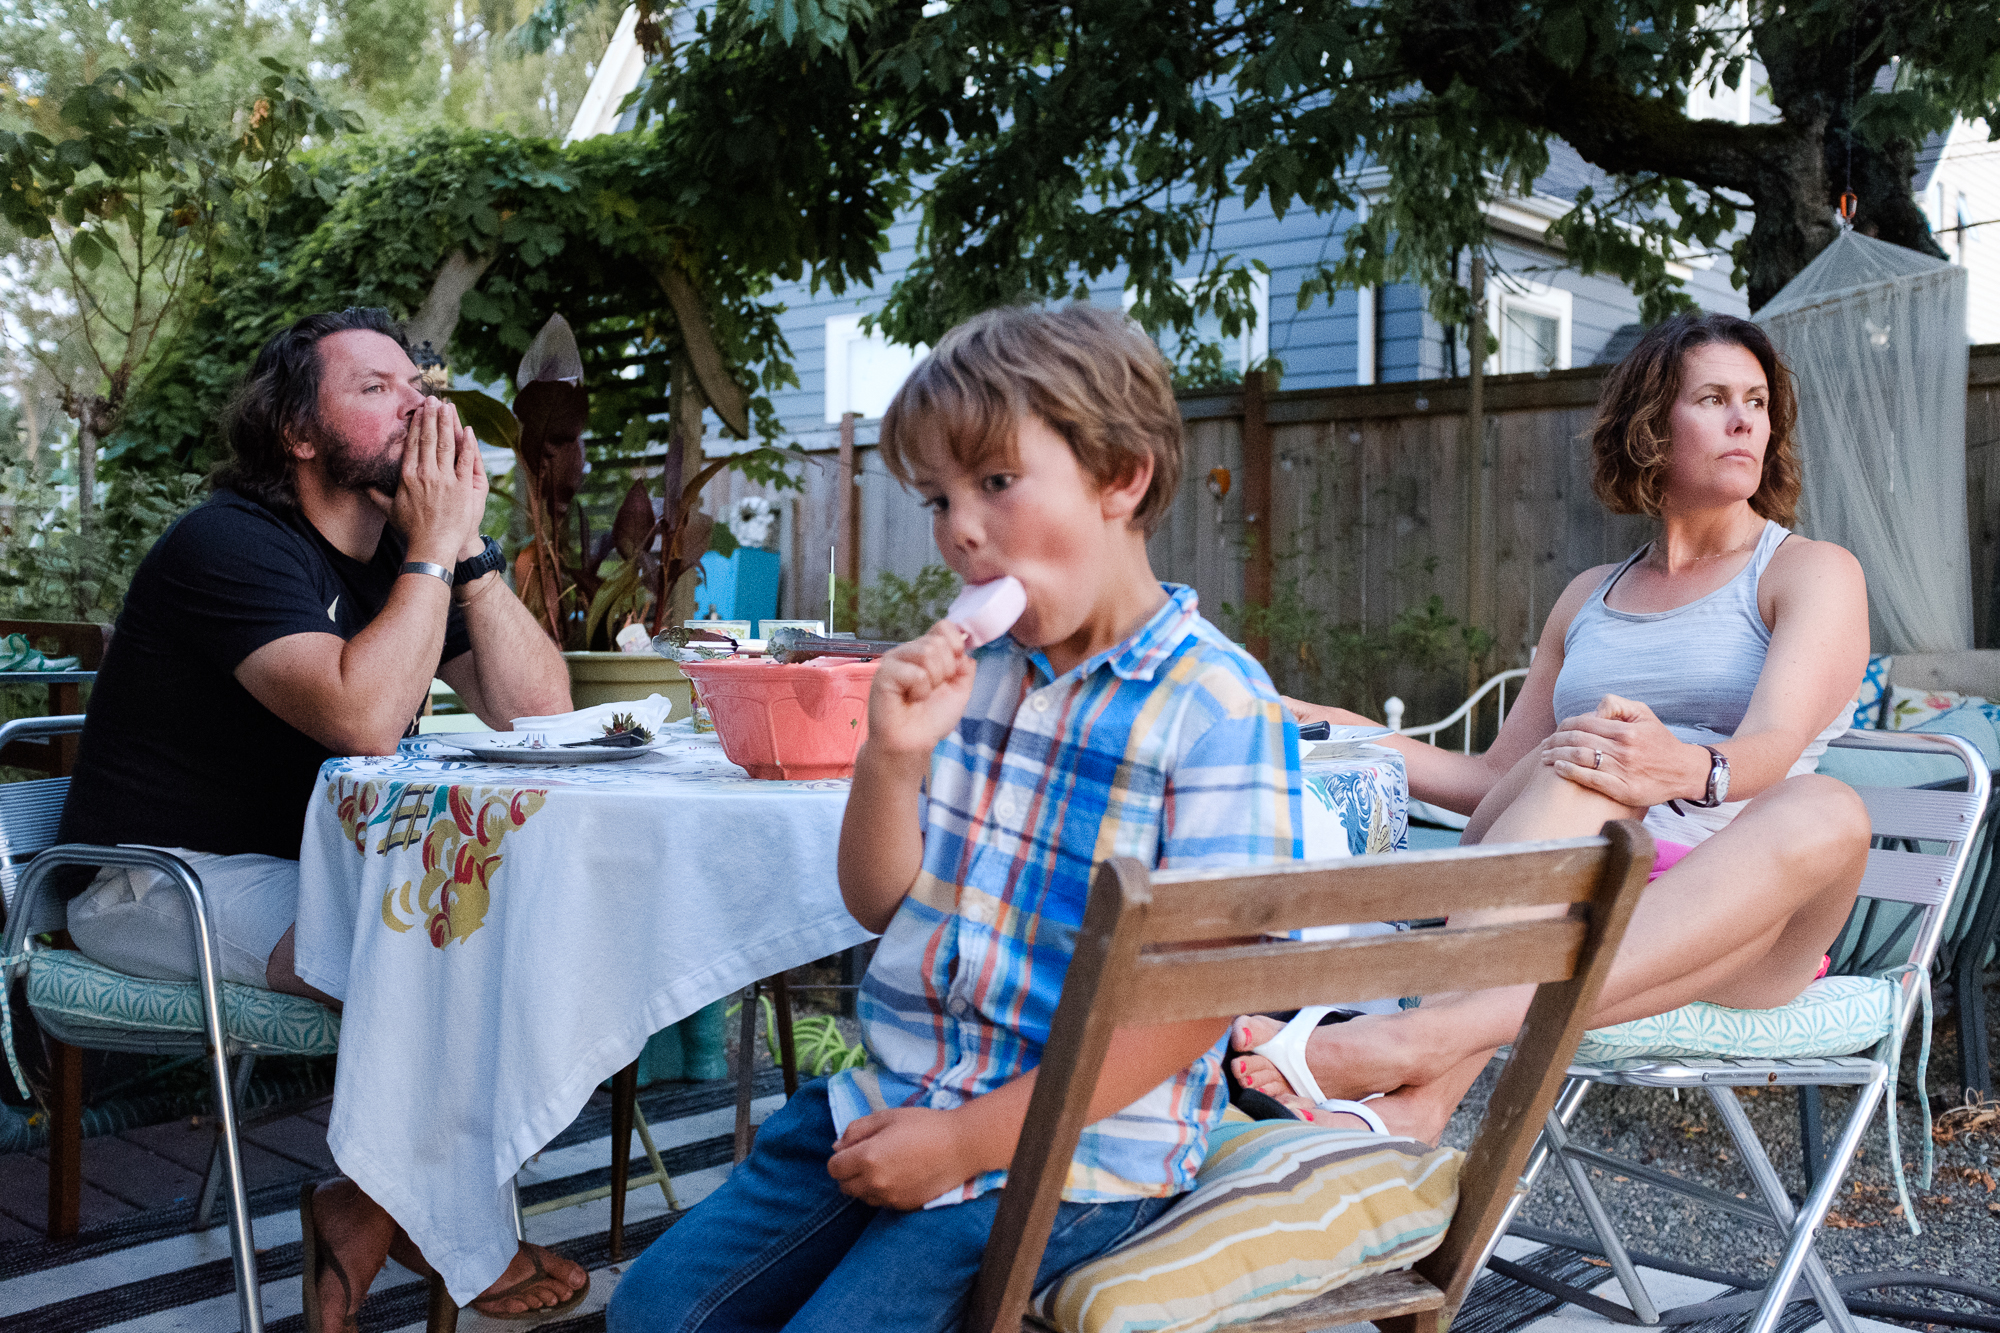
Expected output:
(505, 937)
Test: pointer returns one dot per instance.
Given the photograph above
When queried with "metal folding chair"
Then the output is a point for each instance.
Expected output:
(29, 812)
(1923, 838)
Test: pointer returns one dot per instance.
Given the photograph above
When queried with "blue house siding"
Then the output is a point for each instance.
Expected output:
(1318, 346)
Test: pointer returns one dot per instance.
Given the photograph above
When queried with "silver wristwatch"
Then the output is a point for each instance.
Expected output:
(1718, 780)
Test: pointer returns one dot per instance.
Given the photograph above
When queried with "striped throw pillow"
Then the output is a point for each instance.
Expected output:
(1281, 1212)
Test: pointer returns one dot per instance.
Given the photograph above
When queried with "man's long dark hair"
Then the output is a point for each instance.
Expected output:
(280, 400)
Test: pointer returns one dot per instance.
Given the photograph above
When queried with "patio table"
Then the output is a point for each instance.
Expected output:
(505, 937)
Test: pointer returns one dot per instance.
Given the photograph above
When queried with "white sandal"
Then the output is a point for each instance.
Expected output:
(1287, 1053)
(1357, 1109)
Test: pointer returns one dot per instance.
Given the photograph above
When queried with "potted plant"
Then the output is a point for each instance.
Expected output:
(560, 571)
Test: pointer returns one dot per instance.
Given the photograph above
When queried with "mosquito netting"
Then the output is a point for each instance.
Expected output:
(1875, 334)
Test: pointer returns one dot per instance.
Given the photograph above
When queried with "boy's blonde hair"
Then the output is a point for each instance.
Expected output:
(1092, 375)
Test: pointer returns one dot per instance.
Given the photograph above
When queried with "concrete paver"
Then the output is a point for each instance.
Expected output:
(302, 1140)
(24, 1194)
(186, 1142)
(131, 1172)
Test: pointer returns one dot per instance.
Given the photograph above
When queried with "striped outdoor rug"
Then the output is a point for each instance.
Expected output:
(149, 1274)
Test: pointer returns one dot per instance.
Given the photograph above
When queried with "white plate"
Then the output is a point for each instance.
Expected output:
(1338, 735)
(493, 749)
(1345, 743)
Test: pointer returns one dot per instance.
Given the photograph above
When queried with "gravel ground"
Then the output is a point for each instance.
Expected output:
(1960, 1212)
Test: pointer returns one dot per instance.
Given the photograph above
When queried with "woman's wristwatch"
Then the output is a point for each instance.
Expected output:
(1718, 780)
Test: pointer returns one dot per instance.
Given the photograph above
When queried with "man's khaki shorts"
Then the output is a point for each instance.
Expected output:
(136, 921)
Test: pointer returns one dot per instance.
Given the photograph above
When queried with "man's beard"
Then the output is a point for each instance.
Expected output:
(347, 470)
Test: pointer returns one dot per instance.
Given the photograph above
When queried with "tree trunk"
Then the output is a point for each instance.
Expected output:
(1794, 220)
(438, 317)
(86, 473)
(1792, 173)
(1887, 210)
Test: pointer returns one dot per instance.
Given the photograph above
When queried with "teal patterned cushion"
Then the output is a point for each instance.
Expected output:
(63, 981)
(1833, 1016)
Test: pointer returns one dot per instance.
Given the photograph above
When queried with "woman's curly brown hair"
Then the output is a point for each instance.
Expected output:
(1632, 439)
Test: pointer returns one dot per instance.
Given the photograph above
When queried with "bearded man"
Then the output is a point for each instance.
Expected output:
(299, 613)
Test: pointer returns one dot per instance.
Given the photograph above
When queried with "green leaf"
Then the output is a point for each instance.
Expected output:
(620, 588)
(1564, 35)
(488, 416)
(86, 250)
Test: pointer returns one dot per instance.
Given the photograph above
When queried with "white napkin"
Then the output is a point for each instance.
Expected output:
(589, 723)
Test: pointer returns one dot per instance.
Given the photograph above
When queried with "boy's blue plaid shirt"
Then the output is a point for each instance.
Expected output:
(1172, 748)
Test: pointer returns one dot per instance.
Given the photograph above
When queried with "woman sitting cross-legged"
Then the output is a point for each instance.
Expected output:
(1694, 685)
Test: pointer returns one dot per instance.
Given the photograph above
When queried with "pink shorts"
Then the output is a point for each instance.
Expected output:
(1667, 855)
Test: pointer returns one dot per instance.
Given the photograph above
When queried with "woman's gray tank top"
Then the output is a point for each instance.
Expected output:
(1695, 666)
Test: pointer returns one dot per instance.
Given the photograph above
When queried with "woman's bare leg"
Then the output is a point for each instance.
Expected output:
(1696, 935)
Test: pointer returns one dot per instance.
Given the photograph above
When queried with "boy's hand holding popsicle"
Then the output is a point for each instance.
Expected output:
(920, 692)
(921, 687)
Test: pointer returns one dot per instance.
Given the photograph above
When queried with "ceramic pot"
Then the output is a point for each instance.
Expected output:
(604, 678)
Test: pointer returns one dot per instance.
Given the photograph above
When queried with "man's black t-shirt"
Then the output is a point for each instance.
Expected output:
(176, 753)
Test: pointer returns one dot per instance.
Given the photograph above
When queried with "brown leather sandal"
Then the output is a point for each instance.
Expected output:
(541, 1274)
(318, 1262)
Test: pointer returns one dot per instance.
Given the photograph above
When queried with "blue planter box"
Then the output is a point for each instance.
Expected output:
(742, 586)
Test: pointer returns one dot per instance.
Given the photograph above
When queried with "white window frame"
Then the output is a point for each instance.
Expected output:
(843, 333)
(1364, 335)
(1536, 298)
(1254, 343)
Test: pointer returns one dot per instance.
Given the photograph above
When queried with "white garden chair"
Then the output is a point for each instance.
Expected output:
(1844, 1031)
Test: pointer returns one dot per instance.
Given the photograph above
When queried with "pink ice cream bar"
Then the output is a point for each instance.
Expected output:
(987, 610)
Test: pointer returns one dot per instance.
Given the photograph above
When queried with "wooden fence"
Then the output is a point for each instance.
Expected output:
(1367, 499)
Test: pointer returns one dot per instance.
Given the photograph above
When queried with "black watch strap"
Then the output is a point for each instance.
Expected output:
(479, 566)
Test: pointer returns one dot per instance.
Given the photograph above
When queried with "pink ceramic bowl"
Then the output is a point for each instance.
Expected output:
(802, 721)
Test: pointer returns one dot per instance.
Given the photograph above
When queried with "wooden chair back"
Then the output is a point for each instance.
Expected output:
(85, 641)
(1180, 945)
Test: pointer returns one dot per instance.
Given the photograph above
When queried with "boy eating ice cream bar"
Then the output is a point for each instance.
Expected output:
(1113, 720)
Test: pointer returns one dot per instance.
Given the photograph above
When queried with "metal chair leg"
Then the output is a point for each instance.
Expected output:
(242, 1244)
(653, 1157)
(211, 1181)
(1636, 1294)
(1812, 1133)
(1565, 1109)
(1801, 1225)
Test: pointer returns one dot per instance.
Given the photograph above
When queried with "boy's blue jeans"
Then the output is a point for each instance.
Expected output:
(780, 1247)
